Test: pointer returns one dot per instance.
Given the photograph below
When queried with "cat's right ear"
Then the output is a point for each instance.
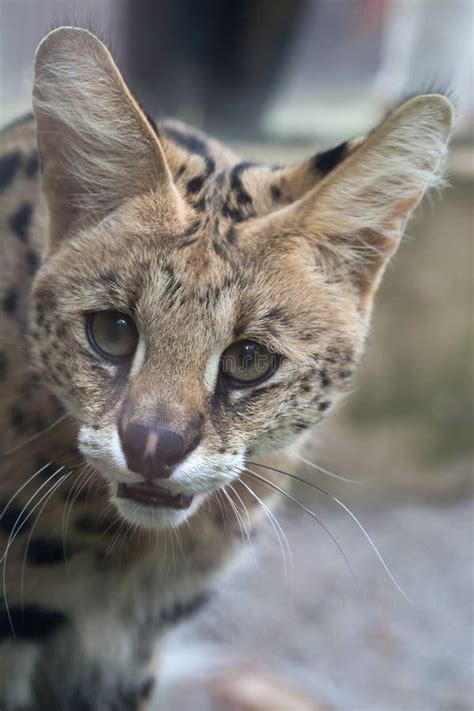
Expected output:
(96, 146)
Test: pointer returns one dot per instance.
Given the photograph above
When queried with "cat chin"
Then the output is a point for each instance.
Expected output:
(155, 517)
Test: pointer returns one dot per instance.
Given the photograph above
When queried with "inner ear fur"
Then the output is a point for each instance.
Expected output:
(96, 146)
(357, 214)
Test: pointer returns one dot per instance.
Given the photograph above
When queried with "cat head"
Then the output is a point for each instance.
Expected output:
(191, 310)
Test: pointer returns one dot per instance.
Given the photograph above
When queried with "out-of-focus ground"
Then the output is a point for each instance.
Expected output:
(407, 429)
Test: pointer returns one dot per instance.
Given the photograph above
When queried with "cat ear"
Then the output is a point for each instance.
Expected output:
(96, 146)
(357, 214)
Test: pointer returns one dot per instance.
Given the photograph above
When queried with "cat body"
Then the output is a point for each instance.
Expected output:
(170, 314)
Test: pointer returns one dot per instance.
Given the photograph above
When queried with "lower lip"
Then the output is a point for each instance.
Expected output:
(151, 495)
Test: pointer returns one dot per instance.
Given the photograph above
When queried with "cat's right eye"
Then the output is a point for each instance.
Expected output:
(112, 334)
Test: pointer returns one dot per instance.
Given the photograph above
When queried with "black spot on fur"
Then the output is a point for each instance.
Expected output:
(32, 165)
(3, 366)
(279, 315)
(232, 212)
(236, 172)
(210, 165)
(200, 205)
(30, 622)
(32, 262)
(242, 196)
(44, 551)
(181, 610)
(195, 184)
(231, 235)
(324, 405)
(17, 419)
(275, 193)
(324, 378)
(89, 524)
(344, 374)
(328, 160)
(9, 517)
(9, 165)
(20, 221)
(10, 301)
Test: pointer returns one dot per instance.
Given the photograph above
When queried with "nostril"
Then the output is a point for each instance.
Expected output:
(152, 452)
(170, 446)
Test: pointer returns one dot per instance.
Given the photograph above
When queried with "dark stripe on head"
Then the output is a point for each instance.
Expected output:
(328, 160)
(188, 141)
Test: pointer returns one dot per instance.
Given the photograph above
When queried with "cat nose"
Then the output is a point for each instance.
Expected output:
(153, 452)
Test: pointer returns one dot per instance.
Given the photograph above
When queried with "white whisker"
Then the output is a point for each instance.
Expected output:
(348, 480)
(310, 513)
(279, 532)
(353, 517)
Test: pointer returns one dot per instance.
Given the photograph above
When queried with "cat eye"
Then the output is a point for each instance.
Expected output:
(112, 334)
(247, 363)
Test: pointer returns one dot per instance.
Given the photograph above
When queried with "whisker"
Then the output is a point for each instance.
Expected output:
(279, 532)
(83, 479)
(12, 498)
(14, 532)
(30, 536)
(321, 469)
(33, 437)
(247, 526)
(236, 513)
(4, 558)
(353, 517)
(310, 513)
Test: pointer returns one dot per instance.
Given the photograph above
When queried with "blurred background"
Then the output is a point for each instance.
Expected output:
(280, 79)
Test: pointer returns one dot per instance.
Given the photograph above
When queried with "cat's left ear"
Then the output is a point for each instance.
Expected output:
(356, 216)
(96, 145)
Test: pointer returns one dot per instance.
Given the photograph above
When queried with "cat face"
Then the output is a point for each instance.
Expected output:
(193, 311)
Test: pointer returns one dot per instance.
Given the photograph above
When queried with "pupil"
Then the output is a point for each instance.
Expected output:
(118, 328)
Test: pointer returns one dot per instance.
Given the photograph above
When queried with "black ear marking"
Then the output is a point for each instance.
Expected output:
(328, 160)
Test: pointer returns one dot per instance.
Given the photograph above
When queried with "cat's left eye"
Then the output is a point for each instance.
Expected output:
(247, 363)
(112, 334)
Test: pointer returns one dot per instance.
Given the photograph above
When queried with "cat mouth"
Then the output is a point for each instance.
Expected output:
(152, 495)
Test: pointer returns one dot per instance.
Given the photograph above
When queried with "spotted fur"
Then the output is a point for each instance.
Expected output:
(202, 249)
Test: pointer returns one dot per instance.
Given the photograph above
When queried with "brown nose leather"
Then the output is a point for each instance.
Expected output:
(153, 452)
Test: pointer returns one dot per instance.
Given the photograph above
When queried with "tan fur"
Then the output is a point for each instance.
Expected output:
(168, 226)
